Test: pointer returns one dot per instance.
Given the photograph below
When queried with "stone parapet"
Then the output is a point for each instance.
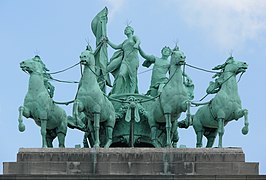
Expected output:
(131, 161)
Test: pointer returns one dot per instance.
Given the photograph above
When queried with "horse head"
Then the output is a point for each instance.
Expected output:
(87, 58)
(177, 57)
(34, 65)
(233, 66)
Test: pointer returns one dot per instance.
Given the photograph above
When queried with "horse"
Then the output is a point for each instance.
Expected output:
(91, 101)
(39, 106)
(173, 100)
(211, 118)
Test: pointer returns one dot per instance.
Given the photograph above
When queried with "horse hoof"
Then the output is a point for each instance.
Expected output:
(96, 146)
(155, 144)
(21, 127)
(245, 130)
(169, 145)
(108, 144)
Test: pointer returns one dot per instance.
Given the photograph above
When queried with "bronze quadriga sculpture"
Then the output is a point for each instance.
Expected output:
(125, 118)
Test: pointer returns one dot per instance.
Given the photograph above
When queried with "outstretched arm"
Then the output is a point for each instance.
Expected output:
(149, 58)
(114, 46)
(145, 56)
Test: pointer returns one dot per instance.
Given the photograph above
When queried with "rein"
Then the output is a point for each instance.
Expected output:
(64, 103)
(200, 104)
(65, 69)
(201, 69)
(63, 81)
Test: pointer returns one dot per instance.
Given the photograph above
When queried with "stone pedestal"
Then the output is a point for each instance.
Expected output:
(127, 162)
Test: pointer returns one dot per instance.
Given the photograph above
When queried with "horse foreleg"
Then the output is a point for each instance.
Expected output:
(168, 127)
(220, 131)
(21, 125)
(96, 117)
(245, 128)
(77, 108)
(241, 113)
(43, 132)
(188, 118)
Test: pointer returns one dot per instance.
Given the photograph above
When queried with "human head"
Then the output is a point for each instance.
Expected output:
(129, 29)
(166, 51)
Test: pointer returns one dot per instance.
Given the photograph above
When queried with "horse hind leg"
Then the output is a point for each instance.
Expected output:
(61, 139)
(220, 131)
(49, 138)
(175, 138)
(43, 132)
(154, 139)
(62, 129)
(211, 138)
(109, 133)
(153, 128)
(61, 134)
(198, 128)
(199, 138)
(109, 130)
(96, 117)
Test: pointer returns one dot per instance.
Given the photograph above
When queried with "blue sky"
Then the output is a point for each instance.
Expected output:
(207, 31)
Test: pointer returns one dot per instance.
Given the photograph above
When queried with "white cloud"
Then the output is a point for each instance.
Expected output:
(228, 22)
(114, 6)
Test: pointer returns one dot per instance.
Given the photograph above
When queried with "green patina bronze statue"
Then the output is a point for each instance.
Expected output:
(124, 64)
(226, 106)
(125, 118)
(39, 105)
(91, 101)
(159, 71)
(173, 100)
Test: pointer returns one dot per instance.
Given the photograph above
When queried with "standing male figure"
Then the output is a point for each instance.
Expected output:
(160, 68)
